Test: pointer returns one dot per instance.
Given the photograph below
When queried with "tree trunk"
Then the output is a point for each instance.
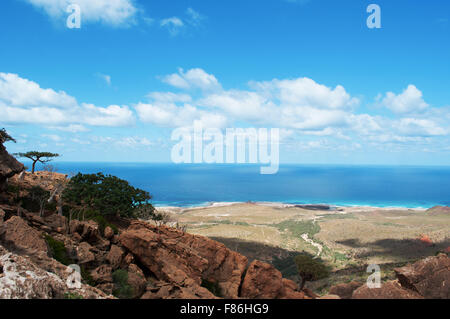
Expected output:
(302, 285)
(33, 167)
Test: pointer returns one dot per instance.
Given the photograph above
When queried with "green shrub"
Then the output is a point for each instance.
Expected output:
(298, 228)
(58, 250)
(213, 287)
(72, 295)
(122, 289)
(310, 269)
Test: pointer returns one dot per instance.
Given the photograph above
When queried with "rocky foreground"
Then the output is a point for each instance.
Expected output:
(163, 262)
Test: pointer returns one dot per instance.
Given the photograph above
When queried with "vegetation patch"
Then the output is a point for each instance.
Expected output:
(122, 289)
(72, 296)
(298, 228)
(58, 250)
(213, 287)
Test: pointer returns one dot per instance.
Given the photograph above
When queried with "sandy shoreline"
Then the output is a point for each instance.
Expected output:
(333, 208)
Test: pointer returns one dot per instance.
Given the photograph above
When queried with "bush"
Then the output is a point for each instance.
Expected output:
(108, 195)
(213, 287)
(310, 269)
(58, 250)
(72, 295)
(122, 289)
(59, 253)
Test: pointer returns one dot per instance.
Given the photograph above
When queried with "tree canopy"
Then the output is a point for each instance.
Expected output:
(310, 269)
(35, 157)
(5, 137)
(108, 195)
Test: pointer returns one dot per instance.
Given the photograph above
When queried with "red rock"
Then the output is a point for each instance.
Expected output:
(15, 232)
(9, 167)
(115, 256)
(184, 260)
(262, 281)
(136, 279)
(389, 290)
(345, 290)
(109, 233)
(102, 274)
(164, 290)
(430, 277)
(84, 253)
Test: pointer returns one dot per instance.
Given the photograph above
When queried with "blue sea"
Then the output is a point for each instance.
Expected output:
(199, 185)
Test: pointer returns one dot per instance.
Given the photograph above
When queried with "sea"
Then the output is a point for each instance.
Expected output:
(336, 185)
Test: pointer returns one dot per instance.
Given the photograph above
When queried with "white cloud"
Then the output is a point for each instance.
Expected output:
(170, 115)
(52, 137)
(193, 78)
(24, 101)
(194, 17)
(169, 97)
(17, 91)
(305, 92)
(110, 12)
(72, 128)
(419, 127)
(105, 77)
(173, 24)
(133, 142)
(410, 100)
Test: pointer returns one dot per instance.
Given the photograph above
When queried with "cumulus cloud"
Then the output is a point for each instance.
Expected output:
(24, 101)
(114, 13)
(171, 115)
(192, 79)
(410, 100)
(17, 91)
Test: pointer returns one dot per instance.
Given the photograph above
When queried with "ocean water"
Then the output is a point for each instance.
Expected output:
(195, 185)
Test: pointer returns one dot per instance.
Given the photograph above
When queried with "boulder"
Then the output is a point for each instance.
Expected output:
(429, 277)
(184, 260)
(88, 230)
(16, 233)
(102, 274)
(57, 223)
(84, 253)
(345, 290)
(2, 216)
(262, 281)
(137, 281)
(389, 290)
(9, 167)
(115, 256)
(163, 290)
(290, 290)
(109, 233)
(38, 277)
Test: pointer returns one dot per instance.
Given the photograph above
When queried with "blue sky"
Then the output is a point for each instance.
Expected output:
(340, 92)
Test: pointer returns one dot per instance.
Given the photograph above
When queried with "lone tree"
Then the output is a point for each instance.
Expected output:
(105, 195)
(310, 269)
(5, 137)
(41, 157)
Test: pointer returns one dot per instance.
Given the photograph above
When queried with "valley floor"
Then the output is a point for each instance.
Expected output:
(347, 239)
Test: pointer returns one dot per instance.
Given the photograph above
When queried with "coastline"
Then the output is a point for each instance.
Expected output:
(332, 208)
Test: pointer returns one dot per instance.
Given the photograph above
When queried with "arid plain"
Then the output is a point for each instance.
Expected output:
(347, 239)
